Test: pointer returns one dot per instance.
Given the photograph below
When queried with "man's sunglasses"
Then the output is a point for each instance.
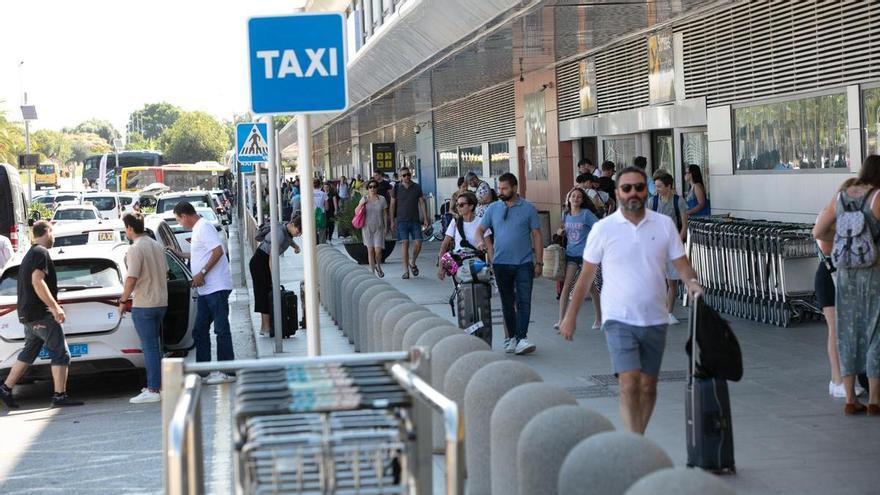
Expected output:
(629, 187)
(405, 175)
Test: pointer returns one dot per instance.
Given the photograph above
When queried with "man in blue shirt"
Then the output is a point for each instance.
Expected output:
(518, 258)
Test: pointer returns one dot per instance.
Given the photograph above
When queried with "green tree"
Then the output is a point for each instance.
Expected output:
(83, 145)
(136, 141)
(53, 145)
(11, 139)
(194, 137)
(102, 128)
(153, 119)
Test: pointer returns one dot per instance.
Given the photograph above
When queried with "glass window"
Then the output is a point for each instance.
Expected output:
(809, 133)
(695, 151)
(871, 118)
(73, 275)
(499, 158)
(621, 151)
(447, 164)
(471, 160)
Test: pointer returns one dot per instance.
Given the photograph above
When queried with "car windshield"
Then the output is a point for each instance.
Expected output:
(175, 227)
(207, 214)
(65, 197)
(45, 169)
(168, 204)
(46, 200)
(75, 214)
(73, 275)
(125, 200)
(102, 203)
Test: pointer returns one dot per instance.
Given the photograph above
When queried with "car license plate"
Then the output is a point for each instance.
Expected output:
(106, 236)
(76, 350)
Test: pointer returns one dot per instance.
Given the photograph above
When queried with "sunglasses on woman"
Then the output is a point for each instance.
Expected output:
(462, 204)
(372, 187)
(629, 187)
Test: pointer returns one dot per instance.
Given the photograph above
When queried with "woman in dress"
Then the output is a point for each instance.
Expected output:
(697, 202)
(375, 226)
(858, 308)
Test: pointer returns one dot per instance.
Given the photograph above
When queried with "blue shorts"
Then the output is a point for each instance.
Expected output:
(635, 348)
(576, 260)
(407, 229)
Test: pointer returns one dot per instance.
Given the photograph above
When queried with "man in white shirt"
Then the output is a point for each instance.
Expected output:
(213, 280)
(633, 246)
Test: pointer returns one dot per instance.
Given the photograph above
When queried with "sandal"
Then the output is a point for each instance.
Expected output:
(415, 270)
(380, 272)
(405, 276)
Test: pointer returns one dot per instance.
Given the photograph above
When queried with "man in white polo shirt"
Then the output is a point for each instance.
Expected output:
(213, 281)
(633, 246)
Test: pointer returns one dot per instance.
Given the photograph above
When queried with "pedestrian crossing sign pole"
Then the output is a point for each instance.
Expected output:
(251, 144)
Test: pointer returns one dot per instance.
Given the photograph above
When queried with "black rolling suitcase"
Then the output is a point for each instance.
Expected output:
(474, 302)
(709, 428)
(288, 314)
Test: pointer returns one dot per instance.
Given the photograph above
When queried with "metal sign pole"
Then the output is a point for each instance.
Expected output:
(242, 224)
(309, 234)
(259, 192)
(279, 176)
(273, 232)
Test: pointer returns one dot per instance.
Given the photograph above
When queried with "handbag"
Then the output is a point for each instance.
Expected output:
(360, 217)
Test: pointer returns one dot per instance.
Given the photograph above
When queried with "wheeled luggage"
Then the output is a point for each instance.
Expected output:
(288, 314)
(474, 302)
(709, 428)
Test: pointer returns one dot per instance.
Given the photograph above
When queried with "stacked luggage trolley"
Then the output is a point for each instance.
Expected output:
(755, 269)
(352, 424)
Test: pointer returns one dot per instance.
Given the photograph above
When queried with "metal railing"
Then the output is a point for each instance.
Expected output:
(181, 417)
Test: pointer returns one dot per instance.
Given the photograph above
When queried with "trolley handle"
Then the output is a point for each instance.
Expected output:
(452, 423)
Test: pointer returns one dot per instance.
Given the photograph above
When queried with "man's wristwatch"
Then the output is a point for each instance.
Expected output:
(204, 271)
(540, 263)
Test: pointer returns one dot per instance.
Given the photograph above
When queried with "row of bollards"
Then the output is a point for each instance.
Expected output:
(521, 435)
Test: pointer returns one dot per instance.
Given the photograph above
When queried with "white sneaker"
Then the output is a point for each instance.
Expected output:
(836, 390)
(524, 347)
(509, 345)
(673, 320)
(145, 397)
(217, 377)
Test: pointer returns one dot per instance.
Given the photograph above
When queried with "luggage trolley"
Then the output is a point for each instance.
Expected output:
(755, 269)
(350, 424)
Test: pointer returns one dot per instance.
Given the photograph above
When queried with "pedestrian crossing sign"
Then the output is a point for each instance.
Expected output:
(251, 143)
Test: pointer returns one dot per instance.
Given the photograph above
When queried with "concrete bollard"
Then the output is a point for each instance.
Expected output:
(402, 325)
(348, 287)
(512, 413)
(333, 280)
(430, 338)
(389, 319)
(371, 297)
(363, 289)
(481, 395)
(375, 316)
(547, 439)
(351, 301)
(446, 352)
(609, 463)
(339, 294)
(680, 481)
(420, 328)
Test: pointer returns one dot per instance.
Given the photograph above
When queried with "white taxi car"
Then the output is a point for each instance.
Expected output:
(90, 281)
(74, 213)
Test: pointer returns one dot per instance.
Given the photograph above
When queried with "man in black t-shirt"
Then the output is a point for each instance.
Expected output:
(42, 316)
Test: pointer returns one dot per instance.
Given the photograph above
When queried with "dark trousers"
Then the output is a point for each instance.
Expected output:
(213, 308)
(515, 288)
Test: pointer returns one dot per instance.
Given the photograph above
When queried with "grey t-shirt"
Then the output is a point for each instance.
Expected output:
(408, 202)
(668, 208)
(282, 236)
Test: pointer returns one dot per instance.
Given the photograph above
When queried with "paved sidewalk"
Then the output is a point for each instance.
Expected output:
(790, 437)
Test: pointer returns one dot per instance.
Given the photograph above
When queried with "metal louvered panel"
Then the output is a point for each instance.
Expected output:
(567, 90)
(757, 50)
(622, 76)
(487, 116)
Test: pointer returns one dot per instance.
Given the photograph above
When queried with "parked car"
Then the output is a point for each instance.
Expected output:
(107, 203)
(181, 233)
(112, 232)
(168, 201)
(75, 213)
(46, 176)
(90, 281)
(13, 208)
(127, 200)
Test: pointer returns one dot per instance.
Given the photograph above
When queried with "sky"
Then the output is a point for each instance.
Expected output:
(104, 59)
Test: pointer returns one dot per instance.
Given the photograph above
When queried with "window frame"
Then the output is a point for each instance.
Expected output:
(863, 124)
(440, 163)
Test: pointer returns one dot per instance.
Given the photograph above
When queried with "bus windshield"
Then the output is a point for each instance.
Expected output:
(184, 180)
(135, 179)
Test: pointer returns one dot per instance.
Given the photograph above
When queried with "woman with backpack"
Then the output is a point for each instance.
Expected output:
(260, 266)
(577, 222)
(851, 222)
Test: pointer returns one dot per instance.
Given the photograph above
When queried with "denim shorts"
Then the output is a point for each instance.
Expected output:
(576, 260)
(407, 229)
(635, 348)
(46, 332)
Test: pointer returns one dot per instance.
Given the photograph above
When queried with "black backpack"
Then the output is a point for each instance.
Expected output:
(720, 354)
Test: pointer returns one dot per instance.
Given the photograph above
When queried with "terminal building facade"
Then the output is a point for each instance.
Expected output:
(777, 101)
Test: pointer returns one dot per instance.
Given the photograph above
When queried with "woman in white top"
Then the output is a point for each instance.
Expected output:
(466, 202)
